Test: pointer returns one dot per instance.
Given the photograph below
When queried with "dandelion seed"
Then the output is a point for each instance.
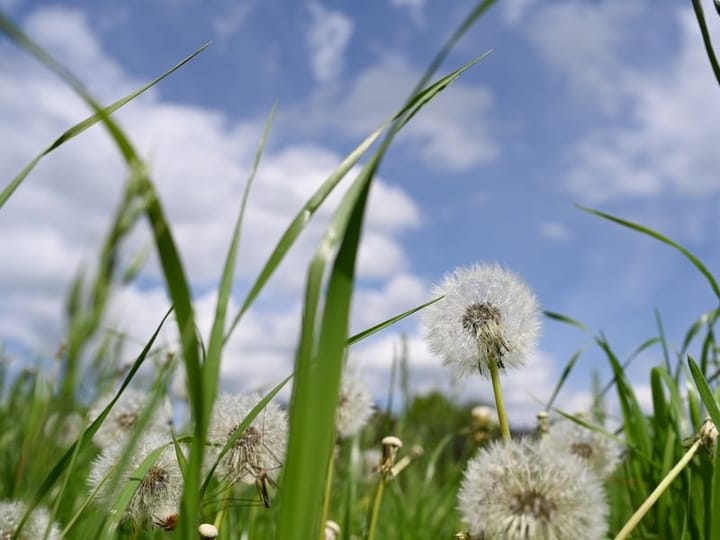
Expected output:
(157, 497)
(487, 315)
(11, 512)
(599, 452)
(519, 491)
(332, 530)
(355, 406)
(208, 531)
(123, 416)
(259, 451)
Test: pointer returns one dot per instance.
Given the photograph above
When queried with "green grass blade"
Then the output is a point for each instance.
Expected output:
(211, 366)
(389, 322)
(15, 34)
(707, 41)
(565, 319)
(704, 390)
(714, 514)
(645, 230)
(323, 341)
(563, 377)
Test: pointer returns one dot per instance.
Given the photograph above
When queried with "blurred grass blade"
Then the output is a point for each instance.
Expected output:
(565, 319)
(62, 465)
(566, 372)
(175, 280)
(211, 366)
(704, 390)
(645, 230)
(376, 328)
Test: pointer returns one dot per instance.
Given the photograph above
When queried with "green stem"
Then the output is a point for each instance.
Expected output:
(328, 492)
(499, 403)
(655, 495)
(376, 508)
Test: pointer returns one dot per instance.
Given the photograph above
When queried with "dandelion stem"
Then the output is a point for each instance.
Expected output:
(376, 508)
(655, 495)
(328, 492)
(499, 403)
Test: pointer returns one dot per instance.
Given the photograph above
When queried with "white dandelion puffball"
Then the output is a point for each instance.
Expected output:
(517, 490)
(355, 406)
(11, 512)
(599, 452)
(259, 450)
(124, 415)
(487, 314)
(157, 497)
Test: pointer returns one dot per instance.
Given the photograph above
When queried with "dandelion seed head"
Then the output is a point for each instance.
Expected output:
(157, 497)
(355, 406)
(11, 512)
(598, 451)
(261, 446)
(486, 314)
(122, 418)
(518, 490)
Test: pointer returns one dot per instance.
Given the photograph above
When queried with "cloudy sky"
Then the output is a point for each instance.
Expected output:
(604, 103)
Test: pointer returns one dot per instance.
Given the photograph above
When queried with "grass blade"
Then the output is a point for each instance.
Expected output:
(376, 328)
(646, 230)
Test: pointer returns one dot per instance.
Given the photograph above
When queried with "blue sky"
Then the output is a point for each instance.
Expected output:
(608, 104)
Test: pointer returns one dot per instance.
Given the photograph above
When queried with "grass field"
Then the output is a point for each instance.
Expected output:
(89, 451)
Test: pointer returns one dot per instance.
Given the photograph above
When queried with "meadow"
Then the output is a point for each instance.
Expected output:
(90, 451)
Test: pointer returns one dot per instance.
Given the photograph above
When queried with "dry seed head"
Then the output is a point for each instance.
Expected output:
(355, 406)
(543, 423)
(540, 495)
(208, 531)
(487, 314)
(708, 433)
(11, 512)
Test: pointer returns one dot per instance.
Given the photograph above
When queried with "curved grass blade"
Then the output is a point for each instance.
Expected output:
(175, 280)
(704, 390)
(645, 230)
(376, 328)
(700, 16)
(215, 345)
(14, 33)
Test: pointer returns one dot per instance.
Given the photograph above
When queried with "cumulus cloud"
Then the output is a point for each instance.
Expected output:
(327, 38)
(667, 145)
(554, 231)
(414, 8)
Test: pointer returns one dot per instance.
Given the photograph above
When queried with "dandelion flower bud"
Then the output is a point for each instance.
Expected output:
(208, 531)
(11, 512)
(123, 416)
(260, 450)
(332, 530)
(598, 451)
(487, 314)
(517, 490)
(355, 406)
(708, 433)
(157, 496)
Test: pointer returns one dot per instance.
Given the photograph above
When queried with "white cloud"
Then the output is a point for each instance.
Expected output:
(667, 143)
(327, 38)
(582, 42)
(557, 232)
(452, 132)
(199, 161)
(414, 8)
